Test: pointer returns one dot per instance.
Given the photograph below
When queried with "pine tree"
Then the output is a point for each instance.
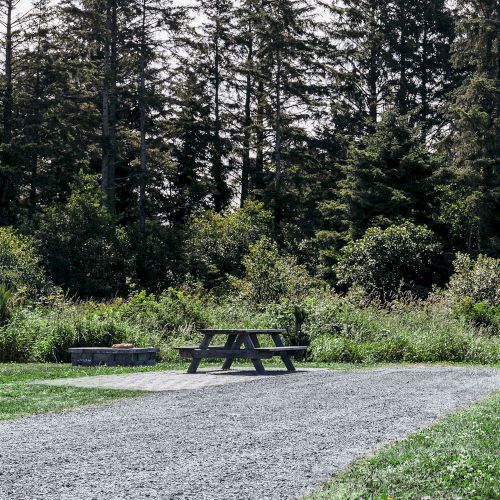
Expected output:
(419, 35)
(388, 180)
(217, 44)
(360, 86)
(473, 147)
(286, 70)
(189, 134)
(9, 188)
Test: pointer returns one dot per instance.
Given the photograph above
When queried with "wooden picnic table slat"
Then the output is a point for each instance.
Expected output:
(238, 332)
(241, 343)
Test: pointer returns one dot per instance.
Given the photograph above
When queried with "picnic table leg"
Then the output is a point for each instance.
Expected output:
(285, 357)
(231, 343)
(257, 363)
(196, 361)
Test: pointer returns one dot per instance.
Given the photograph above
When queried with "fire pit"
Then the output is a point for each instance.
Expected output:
(113, 356)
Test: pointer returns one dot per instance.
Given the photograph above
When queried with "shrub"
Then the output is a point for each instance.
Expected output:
(270, 277)
(387, 261)
(6, 302)
(341, 331)
(480, 314)
(84, 249)
(45, 333)
(478, 279)
(217, 242)
(173, 312)
(20, 266)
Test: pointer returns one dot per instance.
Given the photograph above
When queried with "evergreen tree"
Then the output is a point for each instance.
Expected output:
(189, 132)
(9, 174)
(215, 46)
(473, 146)
(388, 180)
(419, 34)
(360, 86)
(286, 68)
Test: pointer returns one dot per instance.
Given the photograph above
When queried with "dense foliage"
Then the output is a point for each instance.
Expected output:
(387, 261)
(21, 268)
(239, 162)
(131, 130)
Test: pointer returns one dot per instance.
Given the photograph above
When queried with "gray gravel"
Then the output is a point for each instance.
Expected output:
(277, 437)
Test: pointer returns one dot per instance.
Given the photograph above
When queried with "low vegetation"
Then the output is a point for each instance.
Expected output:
(21, 396)
(382, 308)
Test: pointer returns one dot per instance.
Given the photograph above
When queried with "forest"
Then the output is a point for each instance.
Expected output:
(330, 167)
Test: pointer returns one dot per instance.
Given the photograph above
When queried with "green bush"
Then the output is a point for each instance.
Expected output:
(409, 333)
(480, 314)
(172, 312)
(20, 266)
(85, 251)
(217, 242)
(269, 276)
(338, 329)
(6, 303)
(388, 261)
(477, 279)
(44, 333)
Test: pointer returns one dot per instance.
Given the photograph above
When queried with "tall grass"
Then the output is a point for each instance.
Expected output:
(337, 329)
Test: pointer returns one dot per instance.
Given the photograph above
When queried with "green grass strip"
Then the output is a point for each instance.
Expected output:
(456, 458)
(20, 400)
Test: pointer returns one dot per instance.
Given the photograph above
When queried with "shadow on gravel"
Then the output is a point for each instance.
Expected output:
(250, 373)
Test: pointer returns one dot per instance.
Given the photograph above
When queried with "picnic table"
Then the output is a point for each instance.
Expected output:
(242, 344)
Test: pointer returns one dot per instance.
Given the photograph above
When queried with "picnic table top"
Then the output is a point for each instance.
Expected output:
(233, 331)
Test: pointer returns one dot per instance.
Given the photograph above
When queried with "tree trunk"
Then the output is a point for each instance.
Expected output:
(7, 100)
(401, 97)
(258, 174)
(142, 119)
(424, 100)
(7, 188)
(217, 167)
(109, 97)
(34, 155)
(245, 170)
(277, 124)
(372, 87)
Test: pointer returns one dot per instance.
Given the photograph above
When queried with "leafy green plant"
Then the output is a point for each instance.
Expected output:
(478, 279)
(85, 250)
(387, 261)
(270, 277)
(480, 313)
(217, 242)
(171, 312)
(20, 266)
(6, 303)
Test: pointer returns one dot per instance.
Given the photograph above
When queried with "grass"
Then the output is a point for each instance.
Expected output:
(455, 458)
(20, 400)
(19, 397)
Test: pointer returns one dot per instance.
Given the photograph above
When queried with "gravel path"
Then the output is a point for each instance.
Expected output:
(275, 437)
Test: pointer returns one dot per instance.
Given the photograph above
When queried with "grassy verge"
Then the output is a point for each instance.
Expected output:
(455, 458)
(20, 400)
(19, 397)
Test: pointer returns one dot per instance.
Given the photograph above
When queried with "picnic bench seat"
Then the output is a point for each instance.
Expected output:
(242, 344)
